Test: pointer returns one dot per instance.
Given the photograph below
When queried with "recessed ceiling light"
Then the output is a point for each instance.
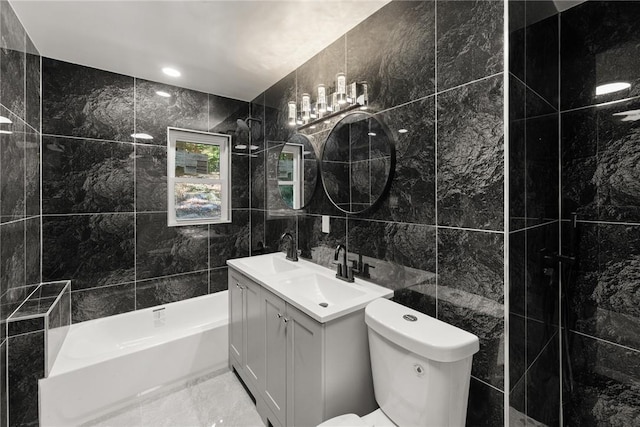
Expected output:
(163, 94)
(612, 87)
(402, 131)
(141, 136)
(371, 134)
(171, 72)
(4, 119)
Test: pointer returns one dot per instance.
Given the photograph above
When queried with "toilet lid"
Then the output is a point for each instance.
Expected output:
(346, 420)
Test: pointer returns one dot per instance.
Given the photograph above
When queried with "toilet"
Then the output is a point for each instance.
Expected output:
(421, 369)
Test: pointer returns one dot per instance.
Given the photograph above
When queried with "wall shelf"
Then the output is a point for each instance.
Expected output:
(329, 116)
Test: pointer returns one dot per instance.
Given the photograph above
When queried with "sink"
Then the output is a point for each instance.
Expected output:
(309, 287)
(268, 265)
(322, 290)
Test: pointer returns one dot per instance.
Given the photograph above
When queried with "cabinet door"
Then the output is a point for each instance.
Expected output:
(254, 333)
(305, 386)
(275, 385)
(236, 313)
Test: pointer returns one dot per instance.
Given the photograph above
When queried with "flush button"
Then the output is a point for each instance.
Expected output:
(410, 317)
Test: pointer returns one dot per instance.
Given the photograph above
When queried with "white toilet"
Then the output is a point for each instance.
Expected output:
(421, 369)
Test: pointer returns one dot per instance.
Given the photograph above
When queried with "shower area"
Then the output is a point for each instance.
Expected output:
(574, 214)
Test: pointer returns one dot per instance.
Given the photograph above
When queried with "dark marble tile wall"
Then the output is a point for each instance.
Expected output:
(105, 205)
(443, 211)
(599, 43)
(19, 189)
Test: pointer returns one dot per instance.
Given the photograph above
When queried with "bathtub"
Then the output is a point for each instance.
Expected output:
(104, 363)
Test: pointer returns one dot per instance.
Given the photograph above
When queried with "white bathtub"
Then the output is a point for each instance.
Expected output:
(103, 363)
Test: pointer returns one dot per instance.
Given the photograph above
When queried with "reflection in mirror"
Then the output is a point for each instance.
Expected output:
(293, 173)
(357, 162)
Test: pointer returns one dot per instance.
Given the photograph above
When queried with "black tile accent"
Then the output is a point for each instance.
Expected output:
(12, 170)
(394, 52)
(25, 367)
(470, 156)
(218, 278)
(24, 326)
(86, 102)
(228, 241)
(171, 289)
(92, 250)
(485, 406)
(163, 250)
(86, 176)
(606, 390)
(33, 96)
(603, 296)
(101, 302)
(12, 61)
(32, 173)
(12, 256)
(185, 108)
(33, 251)
(469, 41)
(151, 178)
(599, 44)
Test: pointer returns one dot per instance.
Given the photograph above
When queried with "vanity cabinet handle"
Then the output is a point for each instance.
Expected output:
(279, 316)
(285, 320)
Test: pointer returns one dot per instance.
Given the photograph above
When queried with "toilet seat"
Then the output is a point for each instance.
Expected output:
(375, 419)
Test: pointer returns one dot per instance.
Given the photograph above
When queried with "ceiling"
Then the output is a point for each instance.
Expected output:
(230, 48)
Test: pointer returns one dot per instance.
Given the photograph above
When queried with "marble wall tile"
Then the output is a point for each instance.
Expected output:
(541, 286)
(151, 178)
(396, 250)
(86, 176)
(257, 111)
(32, 173)
(604, 294)
(224, 112)
(240, 180)
(543, 385)
(485, 406)
(274, 228)
(86, 102)
(12, 256)
(91, 250)
(394, 52)
(606, 390)
(12, 61)
(218, 278)
(517, 38)
(228, 241)
(542, 59)
(419, 301)
(12, 170)
(258, 232)
(469, 41)
(163, 251)
(33, 274)
(33, 95)
(317, 246)
(517, 361)
(171, 289)
(25, 367)
(470, 160)
(88, 304)
(276, 100)
(517, 273)
(599, 44)
(411, 197)
(184, 108)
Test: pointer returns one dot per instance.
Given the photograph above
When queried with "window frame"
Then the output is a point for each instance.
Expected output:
(174, 135)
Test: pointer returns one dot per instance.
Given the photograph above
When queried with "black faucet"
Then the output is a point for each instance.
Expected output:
(343, 272)
(360, 268)
(292, 252)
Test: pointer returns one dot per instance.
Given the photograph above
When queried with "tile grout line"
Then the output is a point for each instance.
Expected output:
(559, 242)
(622, 346)
(506, 207)
(135, 200)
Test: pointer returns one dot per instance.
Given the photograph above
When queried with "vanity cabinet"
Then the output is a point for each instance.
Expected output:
(300, 371)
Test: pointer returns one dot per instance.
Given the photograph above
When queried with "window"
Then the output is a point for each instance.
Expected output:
(290, 174)
(198, 177)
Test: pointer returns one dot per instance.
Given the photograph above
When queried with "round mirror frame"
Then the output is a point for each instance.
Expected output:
(392, 162)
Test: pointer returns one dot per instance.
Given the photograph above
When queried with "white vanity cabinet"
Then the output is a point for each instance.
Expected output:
(300, 371)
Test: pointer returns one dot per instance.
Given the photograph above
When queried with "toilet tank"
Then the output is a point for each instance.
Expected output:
(421, 366)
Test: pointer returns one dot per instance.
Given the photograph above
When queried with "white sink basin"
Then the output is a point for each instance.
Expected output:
(309, 287)
(267, 264)
(321, 290)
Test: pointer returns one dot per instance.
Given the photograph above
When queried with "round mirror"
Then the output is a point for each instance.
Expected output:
(357, 162)
(297, 171)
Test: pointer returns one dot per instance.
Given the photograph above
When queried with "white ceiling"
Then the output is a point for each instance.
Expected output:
(231, 48)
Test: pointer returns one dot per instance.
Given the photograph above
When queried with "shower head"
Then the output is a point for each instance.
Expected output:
(244, 129)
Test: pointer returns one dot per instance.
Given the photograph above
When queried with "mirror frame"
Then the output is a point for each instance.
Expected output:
(392, 166)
